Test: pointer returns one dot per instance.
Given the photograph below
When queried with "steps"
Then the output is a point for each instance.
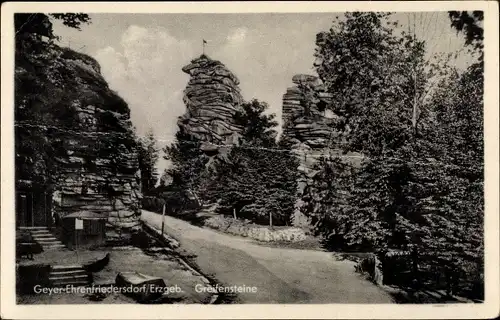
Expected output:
(75, 275)
(45, 238)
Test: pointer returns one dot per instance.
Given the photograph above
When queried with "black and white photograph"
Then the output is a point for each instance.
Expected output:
(216, 158)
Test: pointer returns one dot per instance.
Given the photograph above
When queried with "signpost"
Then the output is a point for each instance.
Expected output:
(78, 226)
(163, 219)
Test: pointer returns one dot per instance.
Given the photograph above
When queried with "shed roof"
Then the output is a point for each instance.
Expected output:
(86, 215)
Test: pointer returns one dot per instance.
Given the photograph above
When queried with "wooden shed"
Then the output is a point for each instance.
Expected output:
(84, 229)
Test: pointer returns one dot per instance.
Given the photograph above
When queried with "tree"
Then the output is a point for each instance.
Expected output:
(40, 24)
(470, 23)
(38, 114)
(458, 106)
(374, 77)
(258, 178)
(260, 184)
(188, 161)
(165, 178)
(420, 179)
(258, 127)
(326, 200)
(148, 157)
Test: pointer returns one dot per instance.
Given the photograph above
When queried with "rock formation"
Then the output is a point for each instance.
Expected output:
(306, 119)
(212, 97)
(99, 172)
(308, 130)
(307, 122)
(85, 153)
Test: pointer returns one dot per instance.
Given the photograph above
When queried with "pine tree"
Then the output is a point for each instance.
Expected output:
(258, 127)
(326, 200)
(258, 179)
(165, 178)
(188, 161)
(458, 107)
(148, 156)
(374, 77)
(419, 188)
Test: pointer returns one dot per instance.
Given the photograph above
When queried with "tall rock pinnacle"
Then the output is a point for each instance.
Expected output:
(212, 97)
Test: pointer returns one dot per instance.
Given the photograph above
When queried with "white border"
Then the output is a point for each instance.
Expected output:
(489, 309)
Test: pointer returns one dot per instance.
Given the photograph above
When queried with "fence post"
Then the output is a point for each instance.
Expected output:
(163, 219)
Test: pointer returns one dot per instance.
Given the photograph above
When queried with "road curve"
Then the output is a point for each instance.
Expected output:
(280, 275)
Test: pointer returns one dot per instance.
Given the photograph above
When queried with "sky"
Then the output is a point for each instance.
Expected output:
(141, 55)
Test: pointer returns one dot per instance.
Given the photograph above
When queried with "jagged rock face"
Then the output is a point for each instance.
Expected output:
(307, 122)
(99, 172)
(306, 118)
(85, 129)
(212, 97)
(307, 128)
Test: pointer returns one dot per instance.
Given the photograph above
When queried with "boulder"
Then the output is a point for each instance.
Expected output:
(141, 287)
(97, 264)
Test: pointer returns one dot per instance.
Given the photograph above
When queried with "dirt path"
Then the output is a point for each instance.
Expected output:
(280, 275)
